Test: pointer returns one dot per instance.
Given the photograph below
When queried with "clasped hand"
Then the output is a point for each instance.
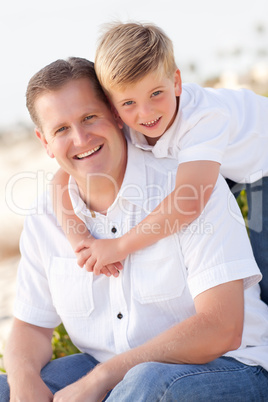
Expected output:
(101, 256)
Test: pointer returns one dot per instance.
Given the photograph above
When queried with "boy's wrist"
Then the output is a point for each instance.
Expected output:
(127, 243)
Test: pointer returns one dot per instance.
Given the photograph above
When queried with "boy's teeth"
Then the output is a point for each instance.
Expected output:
(80, 156)
(150, 123)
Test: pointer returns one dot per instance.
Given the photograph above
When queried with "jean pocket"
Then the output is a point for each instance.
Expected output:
(71, 288)
(158, 272)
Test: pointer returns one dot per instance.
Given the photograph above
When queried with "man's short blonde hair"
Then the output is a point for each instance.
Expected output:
(128, 51)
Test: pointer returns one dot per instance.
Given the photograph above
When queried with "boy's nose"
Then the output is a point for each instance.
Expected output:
(145, 111)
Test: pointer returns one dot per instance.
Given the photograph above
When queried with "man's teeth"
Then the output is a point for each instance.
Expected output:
(151, 123)
(85, 154)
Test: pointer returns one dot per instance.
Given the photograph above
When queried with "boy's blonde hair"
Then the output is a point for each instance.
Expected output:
(128, 51)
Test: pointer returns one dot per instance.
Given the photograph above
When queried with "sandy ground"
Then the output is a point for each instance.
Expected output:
(25, 170)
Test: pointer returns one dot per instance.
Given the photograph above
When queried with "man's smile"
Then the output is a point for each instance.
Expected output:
(88, 153)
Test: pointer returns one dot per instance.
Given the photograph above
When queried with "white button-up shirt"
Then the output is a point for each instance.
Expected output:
(156, 289)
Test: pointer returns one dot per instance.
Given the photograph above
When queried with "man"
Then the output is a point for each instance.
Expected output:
(159, 329)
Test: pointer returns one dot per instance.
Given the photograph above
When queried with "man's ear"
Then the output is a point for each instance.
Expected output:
(177, 82)
(43, 141)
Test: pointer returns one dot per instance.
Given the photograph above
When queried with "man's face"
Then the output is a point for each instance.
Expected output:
(80, 131)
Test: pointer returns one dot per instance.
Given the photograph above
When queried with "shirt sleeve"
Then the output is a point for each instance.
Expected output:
(216, 247)
(33, 302)
(205, 137)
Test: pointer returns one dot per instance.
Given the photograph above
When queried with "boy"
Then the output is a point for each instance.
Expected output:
(208, 131)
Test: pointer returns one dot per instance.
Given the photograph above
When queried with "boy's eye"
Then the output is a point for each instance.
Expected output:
(128, 103)
(156, 93)
(90, 117)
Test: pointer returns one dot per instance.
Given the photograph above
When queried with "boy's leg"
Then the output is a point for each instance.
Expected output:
(257, 195)
(224, 379)
(58, 373)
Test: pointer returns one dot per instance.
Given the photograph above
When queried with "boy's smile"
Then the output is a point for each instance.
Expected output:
(150, 105)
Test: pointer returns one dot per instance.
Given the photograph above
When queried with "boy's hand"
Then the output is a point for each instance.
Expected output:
(100, 256)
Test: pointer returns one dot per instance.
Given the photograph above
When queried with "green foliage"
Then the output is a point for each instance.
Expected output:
(62, 344)
(2, 370)
(242, 202)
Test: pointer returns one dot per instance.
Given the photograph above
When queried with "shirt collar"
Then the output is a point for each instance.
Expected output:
(133, 188)
(137, 139)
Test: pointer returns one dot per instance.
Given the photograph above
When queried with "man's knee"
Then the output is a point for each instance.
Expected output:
(145, 372)
(4, 389)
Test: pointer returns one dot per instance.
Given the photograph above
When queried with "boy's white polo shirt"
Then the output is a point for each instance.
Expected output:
(105, 316)
(222, 125)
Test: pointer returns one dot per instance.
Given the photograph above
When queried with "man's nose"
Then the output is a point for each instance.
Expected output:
(80, 135)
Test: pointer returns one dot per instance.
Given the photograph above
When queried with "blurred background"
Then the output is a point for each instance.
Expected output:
(216, 43)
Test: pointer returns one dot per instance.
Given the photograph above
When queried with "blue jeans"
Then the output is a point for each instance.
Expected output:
(257, 197)
(224, 379)
(58, 373)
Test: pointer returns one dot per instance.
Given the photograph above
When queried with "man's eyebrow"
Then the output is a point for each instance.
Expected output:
(56, 127)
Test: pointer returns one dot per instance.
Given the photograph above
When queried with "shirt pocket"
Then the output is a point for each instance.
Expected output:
(71, 288)
(158, 272)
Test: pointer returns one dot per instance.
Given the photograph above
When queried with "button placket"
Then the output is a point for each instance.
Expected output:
(119, 314)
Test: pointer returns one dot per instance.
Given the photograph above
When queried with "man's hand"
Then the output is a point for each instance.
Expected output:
(91, 388)
(101, 256)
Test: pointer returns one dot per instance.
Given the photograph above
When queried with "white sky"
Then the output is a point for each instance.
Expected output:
(35, 33)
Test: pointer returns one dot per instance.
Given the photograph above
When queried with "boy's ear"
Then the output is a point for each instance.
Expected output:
(43, 141)
(117, 117)
(115, 113)
(177, 82)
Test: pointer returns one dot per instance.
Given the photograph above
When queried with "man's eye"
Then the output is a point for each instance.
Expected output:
(156, 93)
(128, 103)
(60, 130)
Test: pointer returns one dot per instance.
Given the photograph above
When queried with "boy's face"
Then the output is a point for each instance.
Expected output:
(150, 105)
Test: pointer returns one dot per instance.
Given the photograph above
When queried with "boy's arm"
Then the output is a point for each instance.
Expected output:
(195, 182)
(215, 329)
(28, 350)
(74, 229)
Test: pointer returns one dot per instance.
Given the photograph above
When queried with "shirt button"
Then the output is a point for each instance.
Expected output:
(119, 316)
(113, 230)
